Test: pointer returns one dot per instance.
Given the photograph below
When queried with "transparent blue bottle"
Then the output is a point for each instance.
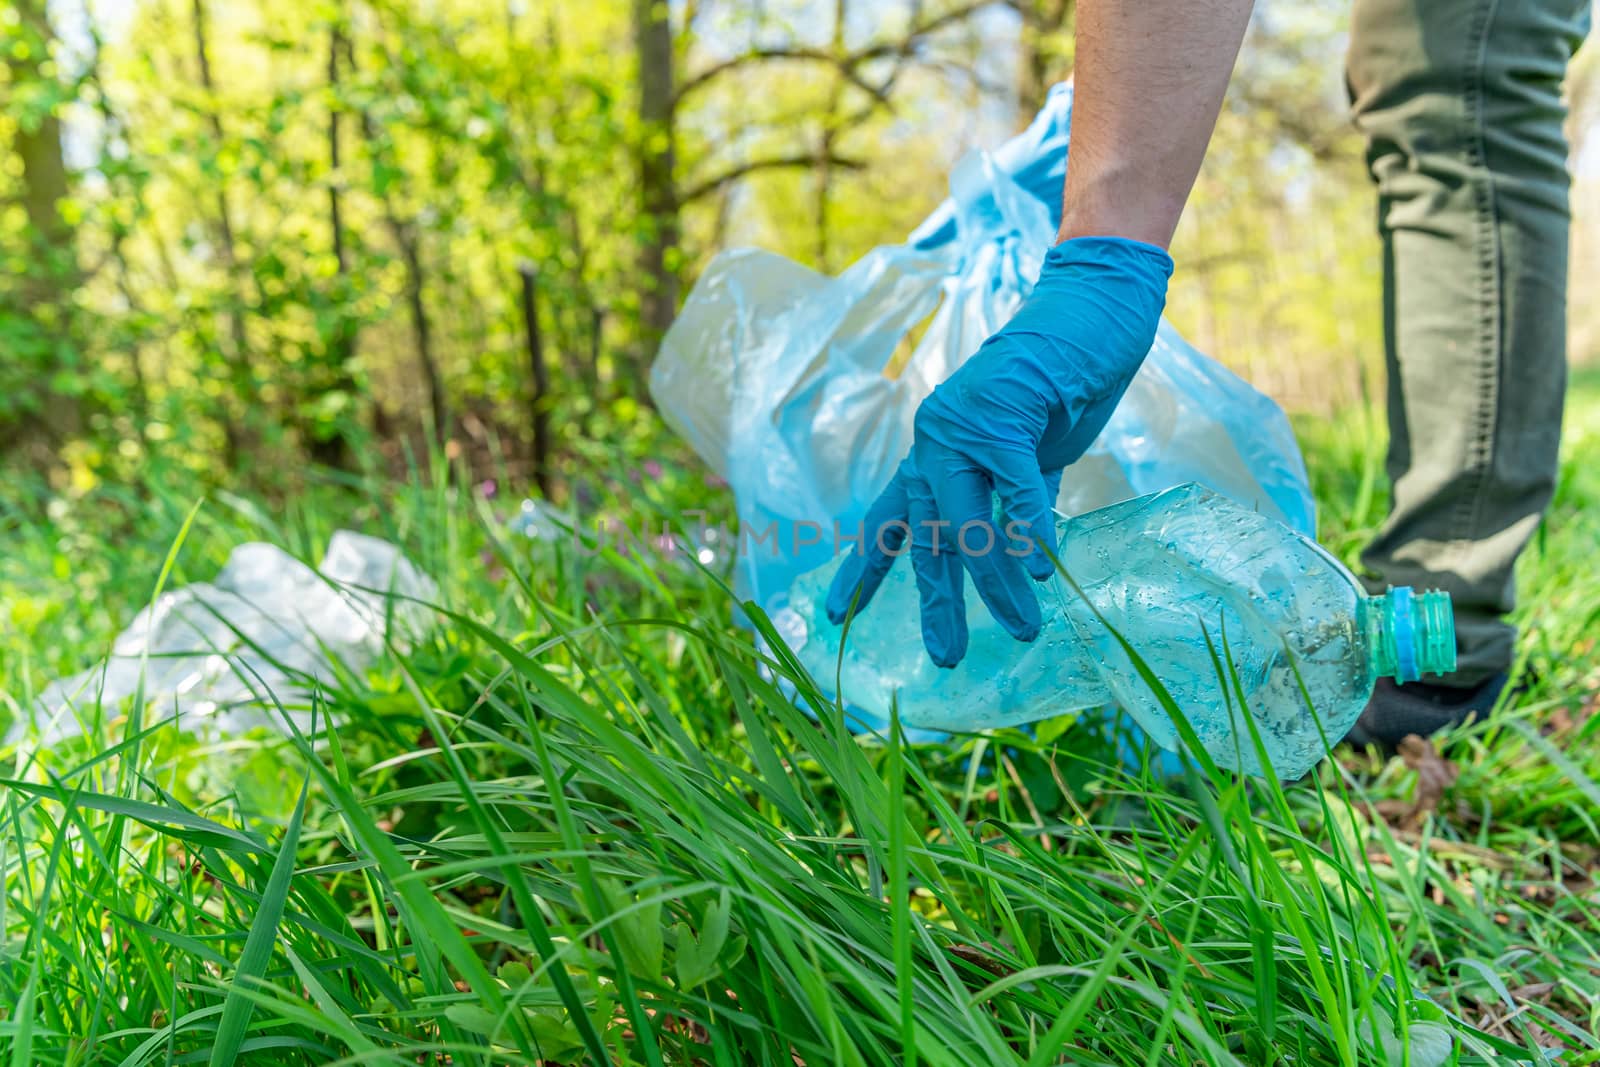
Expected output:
(1166, 571)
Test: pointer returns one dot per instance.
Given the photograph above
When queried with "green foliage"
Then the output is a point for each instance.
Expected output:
(206, 305)
(582, 821)
(307, 247)
(279, 232)
(539, 838)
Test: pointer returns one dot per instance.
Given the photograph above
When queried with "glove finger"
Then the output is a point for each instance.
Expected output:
(884, 534)
(1027, 495)
(1052, 493)
(965, 499)
(937, 565)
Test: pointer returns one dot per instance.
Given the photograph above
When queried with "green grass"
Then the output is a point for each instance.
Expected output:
(580, 822)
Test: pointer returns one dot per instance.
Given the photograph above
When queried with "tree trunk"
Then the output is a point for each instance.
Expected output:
(405, 236)
(45, 295)
(38, 145)
(597, 332)
(1045, 55)
(825, 144)
(657, 162)
(133, 189)
(408, 241)
(539, 378)
(331, 447)
(241, 376)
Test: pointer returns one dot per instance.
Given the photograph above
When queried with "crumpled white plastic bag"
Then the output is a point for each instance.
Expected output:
(784, 380)
(222, 654)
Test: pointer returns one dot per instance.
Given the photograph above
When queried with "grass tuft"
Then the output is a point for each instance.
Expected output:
(582, 821)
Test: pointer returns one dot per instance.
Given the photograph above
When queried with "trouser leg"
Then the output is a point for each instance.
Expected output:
(1460, 102)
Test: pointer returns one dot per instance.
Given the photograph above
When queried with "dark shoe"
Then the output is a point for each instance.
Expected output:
(1421, 708)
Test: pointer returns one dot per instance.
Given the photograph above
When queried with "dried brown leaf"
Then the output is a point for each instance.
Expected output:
(1435, 776)
(978, 958)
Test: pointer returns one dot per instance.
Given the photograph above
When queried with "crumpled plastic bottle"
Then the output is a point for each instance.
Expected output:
(1195, 584)
(799, 389)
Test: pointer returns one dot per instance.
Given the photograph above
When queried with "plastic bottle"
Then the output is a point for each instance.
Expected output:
(1166, 571)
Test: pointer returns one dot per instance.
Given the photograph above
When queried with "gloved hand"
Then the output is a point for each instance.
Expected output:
(1027, 403)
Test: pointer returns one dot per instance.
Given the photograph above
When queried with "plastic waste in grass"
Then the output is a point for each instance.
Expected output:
(222, 654)
(799, 389)
(1168, 572)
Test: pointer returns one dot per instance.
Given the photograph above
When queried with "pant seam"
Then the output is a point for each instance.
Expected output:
(1469, 510)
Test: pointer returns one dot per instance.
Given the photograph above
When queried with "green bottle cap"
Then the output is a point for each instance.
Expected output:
(1412, 634)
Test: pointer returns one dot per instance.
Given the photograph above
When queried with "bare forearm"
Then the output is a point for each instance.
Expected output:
(1149, 81)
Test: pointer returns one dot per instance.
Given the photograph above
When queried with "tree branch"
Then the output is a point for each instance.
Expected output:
(733, 174)
(915, 35)
(848, 64)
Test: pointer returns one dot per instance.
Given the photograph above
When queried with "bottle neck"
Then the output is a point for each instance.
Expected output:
(1410, 634)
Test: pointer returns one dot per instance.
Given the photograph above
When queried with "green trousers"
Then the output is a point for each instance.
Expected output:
(1460, 103)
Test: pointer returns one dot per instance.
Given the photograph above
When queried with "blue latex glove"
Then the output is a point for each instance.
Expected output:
(1027, 403)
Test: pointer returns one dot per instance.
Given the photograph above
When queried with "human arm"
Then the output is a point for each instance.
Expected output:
(1149, 85)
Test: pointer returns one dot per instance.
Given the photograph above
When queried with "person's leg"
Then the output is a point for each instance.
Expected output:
(1460, 102)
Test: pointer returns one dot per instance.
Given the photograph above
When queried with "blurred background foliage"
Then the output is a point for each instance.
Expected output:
(253, 238)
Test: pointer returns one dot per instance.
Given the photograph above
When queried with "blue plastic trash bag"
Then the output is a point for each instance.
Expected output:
(799, 389)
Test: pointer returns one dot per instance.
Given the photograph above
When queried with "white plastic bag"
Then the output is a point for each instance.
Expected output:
(220, 653)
